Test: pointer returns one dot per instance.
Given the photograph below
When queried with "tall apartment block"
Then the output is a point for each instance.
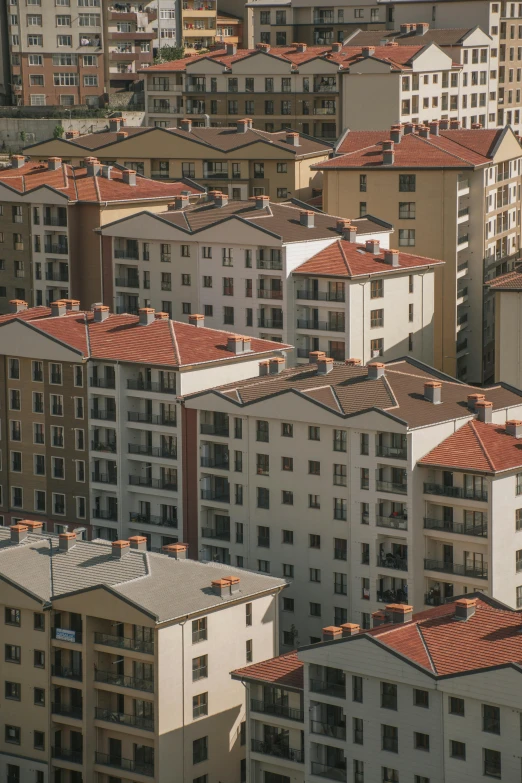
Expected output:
(389, 483)
(451, 193)
(116, 661)
(93, 433)
(48, 214)
(394, 703)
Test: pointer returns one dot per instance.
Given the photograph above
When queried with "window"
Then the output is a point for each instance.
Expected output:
(200, 705)
(340, 584)
(314, 501)
(388, 695)
(13, 691)
(314, 433)
(12, 734)
(456, 706)
(357, 689)
(407, 210)
(457, 750)
(14, 369)
(39, 740)
(263, 497)
(365, 478)
(407, 183)
(314, 468)
(185, 279)
(340, 510)
(263, 566)
(421, 698)
(421, 741)
(314, 541)
(339, 475)
(200, 668)
(340, 549)
(406, 237)
(228, 316)
(492, 763)
(315, 609)
(262, 431)
(39, 621)
(199, 630)
(287, 463)
(376, 289)
(199, 750)
(12, 616)
(39, 659)
(288, 570)
(287, 430)
(288, 604)
(390, 738)
(490, 719)
(365, 443)
(339, 440)
(315, 574)
(12, 653)
(287, 497)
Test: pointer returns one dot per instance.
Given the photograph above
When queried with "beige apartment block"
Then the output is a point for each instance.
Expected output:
(117, 661)
(241, 161)
(48, 213)
(197, 24)
(507, 290)
(368, 485)
(420, 697)
(450, 194)
(129, 40)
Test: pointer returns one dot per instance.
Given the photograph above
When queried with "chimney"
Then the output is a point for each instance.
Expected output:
(324, 365)
(379, 618)
(17, 305)
(341, 224)
(388, 153)
(18, 533)
(221, 587)
(352, 362)
(66, 541)
(233, 581)
(180, 202)
(314, 356)
(424, 131)
(391, 257)
(373, 246)
(53, 164)
(433, 392)
(129, 177)
(71, 134)
(332, 632)
(444, 124)
(121, 135)
(231, 49)
(292, 138)
(242, 126)
(514, 428)
(421, 28)
(106, 172)
(434, 128)
(336, 47)
(197, 320)
(399, 613)
(17, 161)
(307, 218)
(350, 629)
(114, 124)
(235, 344)
(262, 201)
(396, 133)
(93, 167)
(34, 527)
(391, 43)
(138, 542)
(250, 122)
(465, 608)
(159, 316)
(409, 128)
(368, 51)
(72, 305)
(454, 124)
(177, 551)
(58, 308)
(146, 316)
(350, 234)
(120, 549)
(186, 125)
(221, 199)
(262, 47)
(100, 313)
(474, 398)
(375, 371)
(484, 410)
(247, 344)
(300, 47)
(264, 367)
(276, 365)
(405, 28)
(476, 125)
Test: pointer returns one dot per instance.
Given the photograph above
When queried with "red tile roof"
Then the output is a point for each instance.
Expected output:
(284, 671)
(451, 149)
(122, 338)
(511, 281)
(347, 259)
(77, 185)
(476, 446)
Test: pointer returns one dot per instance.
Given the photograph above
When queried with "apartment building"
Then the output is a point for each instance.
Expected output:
(290, 274)
(116, 660)
(48, 213)
(428, 697)
(229, 29)
(240, 161)
(94, 436)
(398, 507)
(506, 290)
(129, 41)
(197, 24)
(463, 207)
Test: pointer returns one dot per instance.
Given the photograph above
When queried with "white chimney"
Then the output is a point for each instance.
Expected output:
(18, 533)
(375, 371)
(138, 542)
(373, 246)
(66, 541)
(177, 551)
(292, 138)
(129, 177)
(53, 164)
(391, 257)
(186, 125)
(100, 313)
(514, 428)
(324, 365)
(17, 161)
(58, 308)
(17, 305)
(433, 392)
(277, 365)
(197, 320)
(484, 410)
(307, 218)
(242, 126)
(146, 316)
(119, 549)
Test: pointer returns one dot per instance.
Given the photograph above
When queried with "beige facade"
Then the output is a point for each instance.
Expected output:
(507, 290)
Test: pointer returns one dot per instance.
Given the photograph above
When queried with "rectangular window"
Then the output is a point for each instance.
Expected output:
(200, 668)
(12, 616)
(457, 750)
(490, 719)
(199, 630)
(376, 289)
(389, 695)
(407, 183)
(12, 653)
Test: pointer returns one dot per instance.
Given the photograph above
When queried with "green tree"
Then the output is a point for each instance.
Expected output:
(168, 53)
(58, 132)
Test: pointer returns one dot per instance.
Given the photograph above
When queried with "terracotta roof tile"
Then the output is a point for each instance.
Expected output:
(477, 446)
(284, 670)
(441, 37)
(511, 281)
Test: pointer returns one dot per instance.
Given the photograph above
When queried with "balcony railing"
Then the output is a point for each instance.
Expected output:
(459, 569)
(268, 263)
(124, 642)
(103, 383)
(124, 681)
(55, 221)
(127, 282)
(59, 250)
(395, 452)
(392, 597)
(129, 254)
(280, 751)
(152, 519)
(118, 762)
(66, 754)
(399, 523)
(154, 386)
(96, 413)
(153, 451)
(327, 771)
(329, 688)
(214, 494)
(152, 418)
(391, 561)
(214, 429)
(109, 515)
(455, 492)
(104, 478)
(433, 599)
(276, 709)
(154, 483)
(328, 729)
(461, 528)
(322, 296)
(215, 462)
(221, 535)
(97, 445)
(391, 486)
(269, 293)
(60, 277)
(66, 709)
(66, 673)
(270, 323)
(321, 326)
(136, 721)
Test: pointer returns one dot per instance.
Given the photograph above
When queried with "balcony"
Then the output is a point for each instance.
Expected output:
(391, 486)
(322, 296)
(55, 221)
(66, 754)
(220, 535)
(338, 731)
(66, 673)
(214, 429)
(124, 681)
(321, 326)
(215, 494)
(221, 462)
(269, 263)
(269, 293)
(59, 250)
(455, 492)
(118, 762)
(322, 110)
(461, 528)
(103, 383)
(329, 688)
(124, 643)
(66, 709)
(270, 323)
(395, 522)
(131, 255)
(392, 452)
(392, 561)
(433, 599)
(146, 481)
(107, 515)
(152, 519)
(127, 282)
(152, 418)
(326, 771)
(98, 445)
(458, 569)
(104, 478)
(152, 386)
(104, 415)
(57, 277)
(280, 710)
(280, 751)
(121, 718)
(153, 451)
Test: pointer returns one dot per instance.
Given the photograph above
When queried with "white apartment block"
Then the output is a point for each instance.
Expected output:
(362, 486)
(425, 699)
(116, 661)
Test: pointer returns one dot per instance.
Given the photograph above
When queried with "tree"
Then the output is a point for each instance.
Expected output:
(168, 53)
(58, 132)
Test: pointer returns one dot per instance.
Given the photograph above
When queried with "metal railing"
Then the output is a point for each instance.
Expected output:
(220, 535)
(390, 561)
(281, 751)
(66, 754)
(391, 486)
(329, 688)
(268, 263)
(103, 415)
(154, 386)
(215, 462)
(212, 494)
(153, 451)
(78, 636)
(136, 721)
(66, 709)
(280, 710)
(127, 282)
(397, 452)
(127, 764)
(97, 445)
(109, 515)
(152, 418)
(124, 642)
(131, 256)
(399, 523)
(154, 483)
(269, 293)
(459, 569)
(124, 681)
(152, 519)
(66, 673)
(103, 383)
(270, 323)
(455, 492)
(105, 478)
(321, 296)
(60, 277)
(328, 729)
(456, 527)
(55, 221)
(321, 326)
(327, 771)
(214, 429)
(59, 250)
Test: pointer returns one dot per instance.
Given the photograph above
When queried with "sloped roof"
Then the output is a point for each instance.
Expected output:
(477, 446)
(511, 281)
(442, 37)
(285, 671)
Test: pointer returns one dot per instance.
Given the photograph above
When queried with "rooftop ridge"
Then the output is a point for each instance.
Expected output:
(472, 424)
